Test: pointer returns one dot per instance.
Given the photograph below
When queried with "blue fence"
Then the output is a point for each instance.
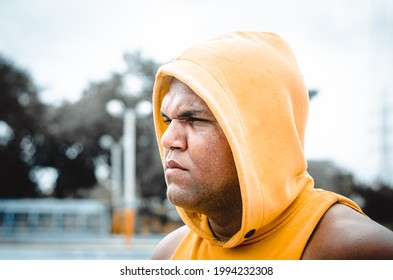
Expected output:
(53, 216)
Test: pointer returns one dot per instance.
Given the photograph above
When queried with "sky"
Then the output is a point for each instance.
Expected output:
(343, 48)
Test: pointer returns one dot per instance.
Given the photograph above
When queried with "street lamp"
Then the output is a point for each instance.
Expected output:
(125, 215)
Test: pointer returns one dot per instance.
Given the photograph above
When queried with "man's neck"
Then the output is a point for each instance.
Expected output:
(224, 231)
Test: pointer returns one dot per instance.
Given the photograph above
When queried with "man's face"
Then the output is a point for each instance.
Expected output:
(199, 169)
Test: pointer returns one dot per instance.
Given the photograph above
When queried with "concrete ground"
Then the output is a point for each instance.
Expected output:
(58, 247)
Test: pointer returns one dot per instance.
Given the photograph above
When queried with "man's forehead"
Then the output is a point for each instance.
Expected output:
(179, 95)
(179, 88)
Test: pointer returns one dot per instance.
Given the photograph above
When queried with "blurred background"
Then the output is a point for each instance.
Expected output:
(80, 174)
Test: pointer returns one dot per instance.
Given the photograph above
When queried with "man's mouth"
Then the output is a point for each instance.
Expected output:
(172, 164)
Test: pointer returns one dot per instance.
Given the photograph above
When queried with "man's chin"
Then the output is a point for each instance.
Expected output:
(178, 199)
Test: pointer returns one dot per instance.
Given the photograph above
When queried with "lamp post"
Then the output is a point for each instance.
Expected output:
(123, 156)
(129, 144)
(129, 171)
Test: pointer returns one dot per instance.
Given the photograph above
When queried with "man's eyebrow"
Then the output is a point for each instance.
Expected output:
(189, 113)
(185, 114)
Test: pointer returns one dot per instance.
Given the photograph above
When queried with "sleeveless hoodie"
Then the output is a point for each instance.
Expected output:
(252, 84)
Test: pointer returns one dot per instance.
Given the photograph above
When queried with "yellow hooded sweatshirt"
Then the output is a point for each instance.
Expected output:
(252, 84)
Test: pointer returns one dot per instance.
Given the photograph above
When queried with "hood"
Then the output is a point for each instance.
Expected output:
(252, 84)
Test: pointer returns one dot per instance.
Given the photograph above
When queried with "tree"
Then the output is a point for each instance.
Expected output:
(20, 110)
(74, 130)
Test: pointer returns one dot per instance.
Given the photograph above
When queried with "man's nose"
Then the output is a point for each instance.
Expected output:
(174, 137)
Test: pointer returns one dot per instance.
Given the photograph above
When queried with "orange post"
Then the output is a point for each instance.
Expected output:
(123, 222)
(117, 221)
(129, 215)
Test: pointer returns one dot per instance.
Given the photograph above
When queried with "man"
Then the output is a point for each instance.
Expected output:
(230, 117)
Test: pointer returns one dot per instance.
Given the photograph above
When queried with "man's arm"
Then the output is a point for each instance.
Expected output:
(344, 233)
(169, 243)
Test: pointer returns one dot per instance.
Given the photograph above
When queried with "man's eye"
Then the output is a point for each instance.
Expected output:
(193, 120)
(190, 120)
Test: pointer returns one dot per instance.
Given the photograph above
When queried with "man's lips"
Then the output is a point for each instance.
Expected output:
(172, 164)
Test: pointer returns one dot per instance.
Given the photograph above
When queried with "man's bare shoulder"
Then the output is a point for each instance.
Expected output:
(169, 243)
(343, 233)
